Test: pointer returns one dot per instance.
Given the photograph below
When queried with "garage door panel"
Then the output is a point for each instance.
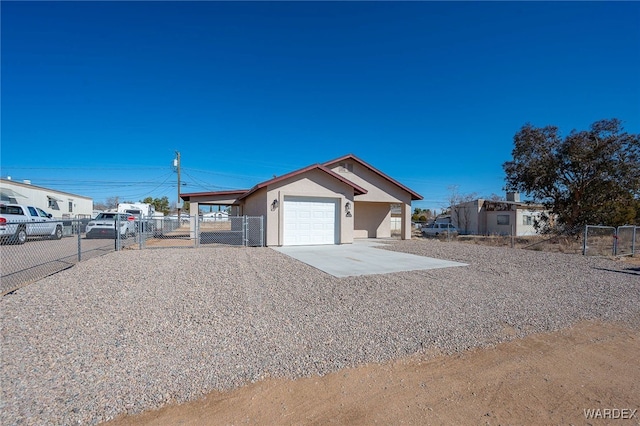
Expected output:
(309, 221)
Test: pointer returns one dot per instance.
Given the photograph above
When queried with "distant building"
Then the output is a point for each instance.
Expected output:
(488, 217)
(62, 205)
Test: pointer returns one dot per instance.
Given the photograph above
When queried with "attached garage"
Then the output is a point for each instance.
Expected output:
(310, 221)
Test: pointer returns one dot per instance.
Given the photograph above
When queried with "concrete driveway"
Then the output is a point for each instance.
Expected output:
(361, 258)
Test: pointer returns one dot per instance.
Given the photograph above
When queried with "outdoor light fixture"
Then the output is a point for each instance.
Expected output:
(274, 204)
(347, 208)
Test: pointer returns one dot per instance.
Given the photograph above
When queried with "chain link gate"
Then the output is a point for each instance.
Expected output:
(234, 230)
(625, 240)
(610, 241)
(599, 240)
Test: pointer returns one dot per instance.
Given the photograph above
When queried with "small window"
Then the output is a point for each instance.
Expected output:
(70, 206)
(53, 204)
(42, 213)
(503, 219)
(527, 220)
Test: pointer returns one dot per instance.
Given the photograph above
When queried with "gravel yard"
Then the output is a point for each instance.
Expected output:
(135, 330)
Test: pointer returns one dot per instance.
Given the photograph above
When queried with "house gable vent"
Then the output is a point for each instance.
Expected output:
(346, 167)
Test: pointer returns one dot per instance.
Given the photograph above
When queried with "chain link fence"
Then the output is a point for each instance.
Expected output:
(610, 241)
(185, 232)
(26, 261)
(598, 240)
(23, 262)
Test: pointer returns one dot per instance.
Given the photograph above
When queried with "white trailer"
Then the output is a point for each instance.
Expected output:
(139, 210)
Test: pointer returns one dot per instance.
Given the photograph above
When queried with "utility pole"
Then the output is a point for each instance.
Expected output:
(176, 164)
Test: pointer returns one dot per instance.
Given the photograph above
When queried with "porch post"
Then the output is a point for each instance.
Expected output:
(405, 226)
(193, 225)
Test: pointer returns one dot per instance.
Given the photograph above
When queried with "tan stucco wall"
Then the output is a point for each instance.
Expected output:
(311, 184)
(379, 189)
(372, 220)
(256, 204)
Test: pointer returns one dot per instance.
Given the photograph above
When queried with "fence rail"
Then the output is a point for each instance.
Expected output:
(41, 255)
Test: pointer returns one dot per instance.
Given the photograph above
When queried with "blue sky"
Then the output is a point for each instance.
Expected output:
(98, 96)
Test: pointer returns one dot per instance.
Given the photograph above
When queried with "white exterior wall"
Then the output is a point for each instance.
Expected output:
(70, 206)
(521, 228)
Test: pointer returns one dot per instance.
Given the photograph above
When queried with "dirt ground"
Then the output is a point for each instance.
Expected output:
(549, 378)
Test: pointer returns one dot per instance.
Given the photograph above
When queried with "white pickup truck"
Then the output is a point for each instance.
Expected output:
(17, 222)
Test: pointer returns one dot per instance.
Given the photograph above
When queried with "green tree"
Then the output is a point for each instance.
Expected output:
(421, 215)
(159, 204)
(588, 177)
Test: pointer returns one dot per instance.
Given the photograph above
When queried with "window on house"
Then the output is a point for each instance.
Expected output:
(53, 204)
(527, 220)
(503, 219)
(70, 206)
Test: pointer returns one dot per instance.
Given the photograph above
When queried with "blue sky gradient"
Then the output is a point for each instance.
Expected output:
(98, 96)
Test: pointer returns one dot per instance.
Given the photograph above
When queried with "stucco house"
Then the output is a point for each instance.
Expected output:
(489, 217)
(328, 203)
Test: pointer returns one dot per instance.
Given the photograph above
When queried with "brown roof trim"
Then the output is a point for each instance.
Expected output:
(414, 195)
(357, 189)
(187, 196)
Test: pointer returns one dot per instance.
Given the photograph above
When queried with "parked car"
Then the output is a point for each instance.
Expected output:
(17, 222)
(104, 225)
(436, 229)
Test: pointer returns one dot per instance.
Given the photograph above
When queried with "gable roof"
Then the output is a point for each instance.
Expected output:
(414, 195)
(358, 190)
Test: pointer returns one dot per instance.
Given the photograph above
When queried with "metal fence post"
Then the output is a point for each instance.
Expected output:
(197, 232)
(261, 231)
(584, 241)
(244, 230)
(79, 241)
(116, 240)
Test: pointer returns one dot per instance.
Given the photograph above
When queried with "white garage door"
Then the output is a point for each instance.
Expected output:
(309, 221)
